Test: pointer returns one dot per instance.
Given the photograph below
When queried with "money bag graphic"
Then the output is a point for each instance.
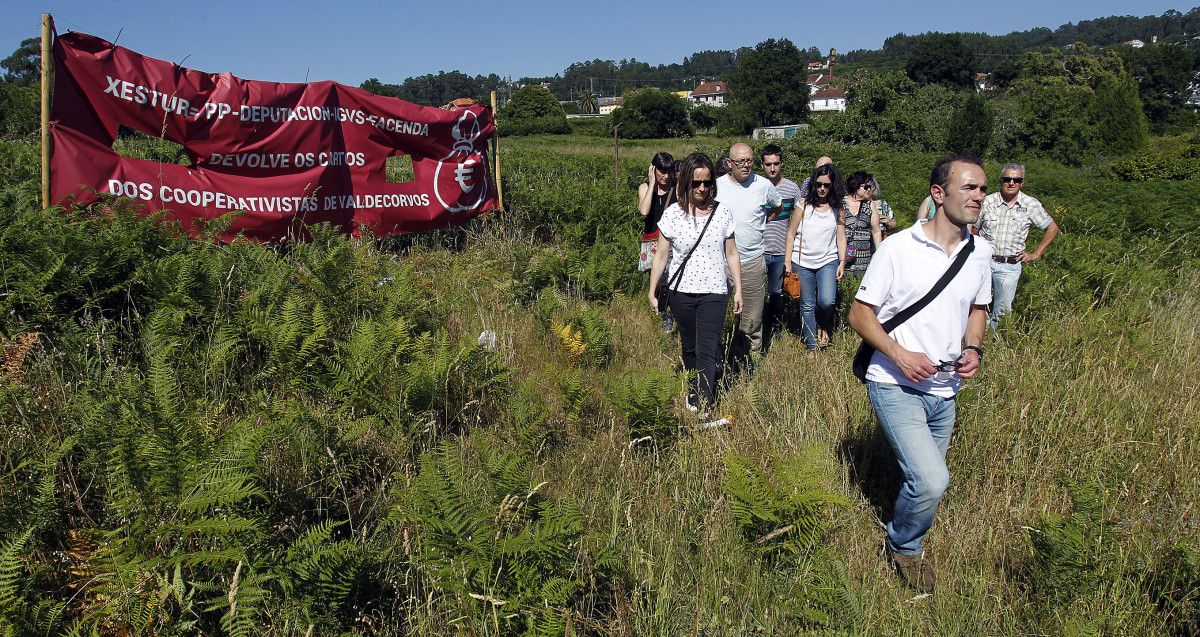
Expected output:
(460, 181)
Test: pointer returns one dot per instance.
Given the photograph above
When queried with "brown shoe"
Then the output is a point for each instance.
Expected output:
(915, 570)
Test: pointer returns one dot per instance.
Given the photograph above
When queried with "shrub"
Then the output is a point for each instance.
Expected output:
(533, 109)
(652, 113)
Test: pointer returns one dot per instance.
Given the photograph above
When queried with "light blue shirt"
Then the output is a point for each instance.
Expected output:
(749, 201)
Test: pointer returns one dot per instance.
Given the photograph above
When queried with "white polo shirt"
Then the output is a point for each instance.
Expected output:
(749, 201)
(902, 270)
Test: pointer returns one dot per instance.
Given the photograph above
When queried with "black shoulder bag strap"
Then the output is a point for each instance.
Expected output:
(862, 358)
(663, 292)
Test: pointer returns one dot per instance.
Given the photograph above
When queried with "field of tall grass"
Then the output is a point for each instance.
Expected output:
(326, 438)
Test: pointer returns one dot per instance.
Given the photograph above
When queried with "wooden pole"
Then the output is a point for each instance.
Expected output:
(47, 57)
(617, 155)
(496, 155)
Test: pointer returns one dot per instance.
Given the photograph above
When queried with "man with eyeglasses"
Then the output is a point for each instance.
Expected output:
(750, 200)
(919, 367)
(1005, 223)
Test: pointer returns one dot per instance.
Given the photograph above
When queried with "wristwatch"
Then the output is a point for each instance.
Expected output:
(978, 350)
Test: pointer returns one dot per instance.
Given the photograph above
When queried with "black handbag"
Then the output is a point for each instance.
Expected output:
(862, 357)
(663, 290)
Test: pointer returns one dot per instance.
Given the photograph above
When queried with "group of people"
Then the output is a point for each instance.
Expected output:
(920, 305)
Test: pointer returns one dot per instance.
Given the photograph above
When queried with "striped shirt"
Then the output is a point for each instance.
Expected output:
(1007, 226)
(775, 232)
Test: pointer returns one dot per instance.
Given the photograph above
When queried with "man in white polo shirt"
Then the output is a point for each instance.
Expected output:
(750, 199)
(918, 369)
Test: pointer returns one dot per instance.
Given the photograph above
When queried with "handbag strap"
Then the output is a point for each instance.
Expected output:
(678, 276)
(937, 288)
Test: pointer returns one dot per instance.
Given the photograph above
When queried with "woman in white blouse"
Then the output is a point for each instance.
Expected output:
(818, 239)
(699, 230)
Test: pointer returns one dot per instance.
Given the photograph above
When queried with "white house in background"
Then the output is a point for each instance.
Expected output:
(829, 99)
(1137, 44)
(609, 104)
(711, 93)
(817, 81)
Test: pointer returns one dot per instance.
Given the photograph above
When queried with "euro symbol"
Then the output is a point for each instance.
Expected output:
(463, 174)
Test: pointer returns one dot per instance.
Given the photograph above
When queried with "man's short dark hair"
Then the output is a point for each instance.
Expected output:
(941, 170)
(770, 149)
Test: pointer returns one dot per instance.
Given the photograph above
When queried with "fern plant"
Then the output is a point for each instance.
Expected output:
(1073, 554)
(482, 538)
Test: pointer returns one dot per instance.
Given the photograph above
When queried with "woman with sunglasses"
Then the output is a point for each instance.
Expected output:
(699, 229)
(861, 218)
(818, 240)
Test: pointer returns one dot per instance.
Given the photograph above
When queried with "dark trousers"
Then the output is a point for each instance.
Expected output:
(701, 320)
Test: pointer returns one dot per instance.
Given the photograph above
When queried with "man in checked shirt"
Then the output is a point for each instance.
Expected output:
(1004, 222)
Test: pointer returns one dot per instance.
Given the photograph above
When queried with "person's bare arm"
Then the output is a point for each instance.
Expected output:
(968, 365)
(915, 366)
(1047, 239)
(840, 237)
(876, 233)
(735, 272)
(793, 228)
(646, 195)
(656, 270)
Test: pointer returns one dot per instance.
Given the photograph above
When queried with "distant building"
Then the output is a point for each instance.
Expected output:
(817, 81)
(983, 82)
(778, 132)
(829, 99)
(711, 93)
(609, 104)
(818, 65)
(687, 95)
(1137, 44)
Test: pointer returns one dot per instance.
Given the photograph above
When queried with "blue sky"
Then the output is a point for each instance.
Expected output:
(349, 41)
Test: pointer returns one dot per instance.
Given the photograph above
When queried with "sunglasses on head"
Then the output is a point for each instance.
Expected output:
(1013, 180)
(708, 183)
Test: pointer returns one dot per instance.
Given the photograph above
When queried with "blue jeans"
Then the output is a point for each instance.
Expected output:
(1004, 290)
(775, 268)
(918, 426)
(818, 296)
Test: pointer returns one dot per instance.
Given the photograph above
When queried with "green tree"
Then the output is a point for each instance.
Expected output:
(587, 103)
(770, 83)
(23, 67)
(1116, 113)
(652, 113)
(971, 127)
(704, 116)
(942, 58)
(533, 109)
(889, 108)
(1164, 73)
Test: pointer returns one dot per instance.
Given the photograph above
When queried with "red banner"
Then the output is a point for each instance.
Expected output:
(282, 155)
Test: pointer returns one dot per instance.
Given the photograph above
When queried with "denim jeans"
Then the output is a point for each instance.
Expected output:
(818, 297)
(701, 319)
(1004, 290)
(918, 426)
(773, 313)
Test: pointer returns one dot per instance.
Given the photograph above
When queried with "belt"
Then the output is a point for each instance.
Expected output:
(1013, 259)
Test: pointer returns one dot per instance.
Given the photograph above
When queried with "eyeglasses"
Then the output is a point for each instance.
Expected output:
(1013, 180)
(949, 366)
(749, 161)
(821, 184)
(707, 183)
(867, 187)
